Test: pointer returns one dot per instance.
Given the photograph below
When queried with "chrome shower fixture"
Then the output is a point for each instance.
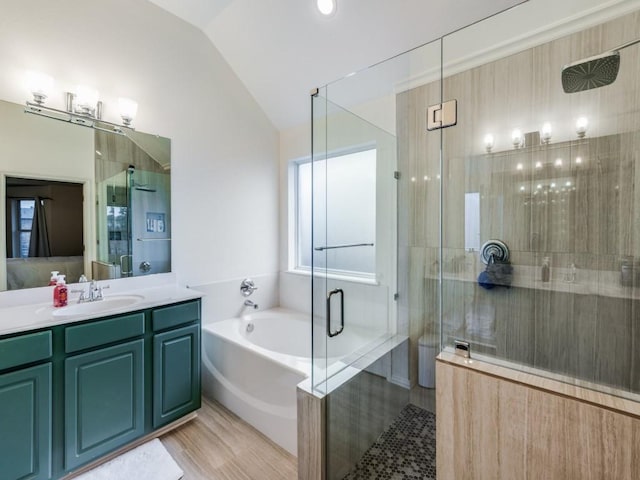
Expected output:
(593, 72)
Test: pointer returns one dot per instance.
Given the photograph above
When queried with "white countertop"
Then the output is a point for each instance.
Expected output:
(17, 314)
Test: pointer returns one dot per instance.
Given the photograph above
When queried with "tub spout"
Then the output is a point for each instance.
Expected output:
(249, 303)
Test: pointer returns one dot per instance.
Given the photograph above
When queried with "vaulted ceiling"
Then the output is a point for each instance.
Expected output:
(281, 49)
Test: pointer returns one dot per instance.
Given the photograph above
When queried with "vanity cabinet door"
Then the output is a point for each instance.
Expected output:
(104, 401)
(25, 424)
(176, 374)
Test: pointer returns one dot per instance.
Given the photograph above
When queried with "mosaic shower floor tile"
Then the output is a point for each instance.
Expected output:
(405, 451)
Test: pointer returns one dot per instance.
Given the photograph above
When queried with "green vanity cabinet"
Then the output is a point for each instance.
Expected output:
(104, 401)
(26, 406)
(76, 392)
(176, 374)
(176, 362)
(25, 423)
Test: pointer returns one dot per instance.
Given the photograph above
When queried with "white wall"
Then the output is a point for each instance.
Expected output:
(224, 149)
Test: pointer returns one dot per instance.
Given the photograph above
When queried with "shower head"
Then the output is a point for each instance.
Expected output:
(593, 72)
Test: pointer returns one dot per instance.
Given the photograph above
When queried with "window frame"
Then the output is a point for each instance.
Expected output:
(294, 261)
(17, 230)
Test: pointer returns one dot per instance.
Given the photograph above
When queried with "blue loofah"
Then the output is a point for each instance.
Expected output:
(484, 280)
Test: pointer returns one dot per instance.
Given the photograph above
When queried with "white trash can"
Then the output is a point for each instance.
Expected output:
(427, 353)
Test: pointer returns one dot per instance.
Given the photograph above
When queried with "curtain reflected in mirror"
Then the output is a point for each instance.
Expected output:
(44, 231)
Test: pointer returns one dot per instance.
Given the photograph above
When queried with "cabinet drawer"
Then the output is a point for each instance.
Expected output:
(102, 332)
(174, 315)
(25, 349)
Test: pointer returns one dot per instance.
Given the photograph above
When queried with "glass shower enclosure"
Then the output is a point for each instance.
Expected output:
(513, 232)
(133, 207)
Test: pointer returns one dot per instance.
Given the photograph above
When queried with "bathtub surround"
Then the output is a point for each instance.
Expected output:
(224, 299)
(256, 379)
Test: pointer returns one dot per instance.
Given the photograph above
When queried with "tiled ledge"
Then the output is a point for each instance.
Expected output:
(587, 282)
(609, 398)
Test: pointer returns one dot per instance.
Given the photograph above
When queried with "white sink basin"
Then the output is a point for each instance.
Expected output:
(100, 306)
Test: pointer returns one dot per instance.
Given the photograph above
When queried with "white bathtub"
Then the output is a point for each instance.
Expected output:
(254, 371)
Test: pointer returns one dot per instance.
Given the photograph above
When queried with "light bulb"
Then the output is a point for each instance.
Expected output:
(581, 126)
(86, 99)
(488, 142)
(579, 160)
(39, 85)
(516, 138)
(558, 162)
(128, 110)
(326, 7)
(545, 132)
(538, 164)
(519, 166)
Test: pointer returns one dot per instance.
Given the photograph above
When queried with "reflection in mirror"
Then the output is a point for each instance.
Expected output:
(44, 231)
(130, 231)
(134, 205)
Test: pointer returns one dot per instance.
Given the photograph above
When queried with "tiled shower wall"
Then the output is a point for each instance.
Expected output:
(574, 200)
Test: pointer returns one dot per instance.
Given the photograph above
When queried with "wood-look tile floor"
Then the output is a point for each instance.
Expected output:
(220, 445)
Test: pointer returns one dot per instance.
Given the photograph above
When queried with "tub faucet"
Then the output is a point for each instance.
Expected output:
(249, 303)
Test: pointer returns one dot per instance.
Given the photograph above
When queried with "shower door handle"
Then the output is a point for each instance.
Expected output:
(339, 330)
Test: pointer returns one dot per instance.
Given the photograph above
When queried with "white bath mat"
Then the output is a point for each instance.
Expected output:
(149, 461)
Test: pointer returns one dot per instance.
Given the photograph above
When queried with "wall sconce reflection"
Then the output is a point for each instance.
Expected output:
(581, 126)
(517, 138)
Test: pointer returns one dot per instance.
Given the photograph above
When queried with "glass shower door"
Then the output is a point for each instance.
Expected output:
(354, 278)
(114, 227)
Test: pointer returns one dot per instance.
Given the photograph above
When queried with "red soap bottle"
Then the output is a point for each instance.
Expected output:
(60, 293)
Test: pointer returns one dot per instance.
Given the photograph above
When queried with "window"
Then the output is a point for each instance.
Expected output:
(23, 215)
(345, 213)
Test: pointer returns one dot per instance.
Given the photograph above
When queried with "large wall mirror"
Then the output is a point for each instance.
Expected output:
(80, 201)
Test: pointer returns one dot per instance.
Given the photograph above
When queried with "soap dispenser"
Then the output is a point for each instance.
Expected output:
(60, 293)
(545, 270)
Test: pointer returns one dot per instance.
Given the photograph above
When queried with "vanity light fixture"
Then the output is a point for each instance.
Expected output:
(489, 142)
(327, 7)
(581, 126)
(82, 107)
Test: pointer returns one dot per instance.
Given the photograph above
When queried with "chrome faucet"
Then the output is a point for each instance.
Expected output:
(93, 294)
(249, 303)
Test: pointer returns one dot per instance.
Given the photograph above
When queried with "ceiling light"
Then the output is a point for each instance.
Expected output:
(326, 7)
